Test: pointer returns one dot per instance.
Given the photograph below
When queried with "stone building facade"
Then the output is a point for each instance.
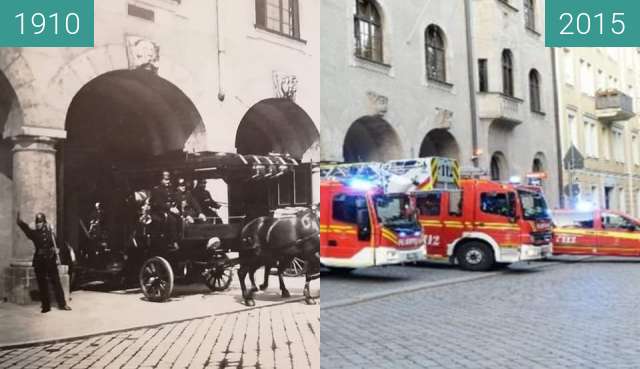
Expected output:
(164, 76)
(395, 80)
(598, 104)
(426, 78)
(515, 92)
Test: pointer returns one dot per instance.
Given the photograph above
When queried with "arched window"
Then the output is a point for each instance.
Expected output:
(435, 50)
(281, 16)
(495, 168)
(507, 72)
(529, 14)
(368, 31)
(534, 90)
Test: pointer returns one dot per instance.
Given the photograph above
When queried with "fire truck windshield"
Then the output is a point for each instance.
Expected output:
(534, 206)
(394, 210)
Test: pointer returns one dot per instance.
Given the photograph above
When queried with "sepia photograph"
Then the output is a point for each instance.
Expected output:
(159, 191)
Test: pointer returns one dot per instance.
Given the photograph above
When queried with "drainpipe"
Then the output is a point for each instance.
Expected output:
(219, 51)
(556, 111)
(472, 84)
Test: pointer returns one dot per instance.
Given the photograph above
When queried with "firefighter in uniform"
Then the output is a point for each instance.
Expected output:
(164, 207)
(204, 198)
(45, 261)
(189, 207)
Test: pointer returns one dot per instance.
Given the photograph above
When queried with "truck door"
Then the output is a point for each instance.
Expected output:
(349, 230)
(496, 217)
(430, 205)
(574, 233)
(618, 235)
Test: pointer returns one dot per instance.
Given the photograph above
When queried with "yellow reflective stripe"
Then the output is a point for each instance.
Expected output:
(389, 234)
(384, 235)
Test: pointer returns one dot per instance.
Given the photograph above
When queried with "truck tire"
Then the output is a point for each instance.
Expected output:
(475, 256)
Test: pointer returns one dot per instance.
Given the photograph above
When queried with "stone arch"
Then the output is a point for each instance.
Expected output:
(499, 168)
(278, 125)
(121, 117)
(17, 74)
(101, 60)
(10, 115)
(371, 138)
(440, 142)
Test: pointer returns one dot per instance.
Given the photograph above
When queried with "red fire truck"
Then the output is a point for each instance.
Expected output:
(596, 232)
(361, 224)
(484, 223)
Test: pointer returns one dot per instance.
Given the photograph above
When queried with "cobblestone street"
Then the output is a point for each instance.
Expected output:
(280, 336)
(566, 315)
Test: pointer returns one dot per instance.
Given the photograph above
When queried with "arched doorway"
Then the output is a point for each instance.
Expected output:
(499, 169)
(10, 116)
(371, 138)
(123, 116)
(539, 170)
(439, 142)
(276, 125)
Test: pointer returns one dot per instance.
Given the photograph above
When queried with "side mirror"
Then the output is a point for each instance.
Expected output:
(513, 219)
(364, 230)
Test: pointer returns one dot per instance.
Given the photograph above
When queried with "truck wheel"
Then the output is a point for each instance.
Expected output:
(475, 256)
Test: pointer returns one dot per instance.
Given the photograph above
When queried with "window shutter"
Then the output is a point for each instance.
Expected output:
(296, 18)
(261, 13)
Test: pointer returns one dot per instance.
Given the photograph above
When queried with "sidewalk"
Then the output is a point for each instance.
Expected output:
(105, 312)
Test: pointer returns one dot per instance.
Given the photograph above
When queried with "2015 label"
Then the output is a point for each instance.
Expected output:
(582, 23)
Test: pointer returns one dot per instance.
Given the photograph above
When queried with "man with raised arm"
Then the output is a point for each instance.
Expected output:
(45, 260)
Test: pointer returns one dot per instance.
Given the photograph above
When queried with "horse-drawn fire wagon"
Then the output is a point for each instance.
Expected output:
(255, 232)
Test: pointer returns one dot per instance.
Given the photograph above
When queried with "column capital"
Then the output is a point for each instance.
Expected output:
(34, 143)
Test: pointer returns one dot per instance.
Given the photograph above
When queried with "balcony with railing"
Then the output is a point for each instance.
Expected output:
(500, 107)
(614, 105)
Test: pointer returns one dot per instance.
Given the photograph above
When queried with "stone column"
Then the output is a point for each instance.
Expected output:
(34, 183)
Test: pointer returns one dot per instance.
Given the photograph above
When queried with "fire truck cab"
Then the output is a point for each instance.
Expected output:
(484, 223)
(361, 224)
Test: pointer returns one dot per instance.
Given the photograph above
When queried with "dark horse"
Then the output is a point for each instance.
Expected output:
(269, 241)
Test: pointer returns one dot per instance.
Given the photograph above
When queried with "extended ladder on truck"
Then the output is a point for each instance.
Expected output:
(398, 176)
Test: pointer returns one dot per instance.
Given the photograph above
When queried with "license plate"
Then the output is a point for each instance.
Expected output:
(412, 256)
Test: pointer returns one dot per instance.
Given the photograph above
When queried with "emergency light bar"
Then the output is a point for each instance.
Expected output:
(397, 176)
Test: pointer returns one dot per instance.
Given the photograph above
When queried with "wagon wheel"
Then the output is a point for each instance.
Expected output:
(218, 275)
(296, 268)
(156, 279)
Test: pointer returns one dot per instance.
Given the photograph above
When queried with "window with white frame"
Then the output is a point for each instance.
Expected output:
(618, 145)
(591, 138)
(573, 129)
(623, 200)
(601, 81)
(280, 16)
(606, 143)
(569, 73)
(586, 78)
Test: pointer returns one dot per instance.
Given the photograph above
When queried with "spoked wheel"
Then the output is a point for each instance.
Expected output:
(296, 268)
(218, 275)
(218, 278)
(156, 279)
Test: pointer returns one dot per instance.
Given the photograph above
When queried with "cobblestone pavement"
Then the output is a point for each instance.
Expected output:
(571, 315)
(281, 336)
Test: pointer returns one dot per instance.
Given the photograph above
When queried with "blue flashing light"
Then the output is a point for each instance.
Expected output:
(402, 234)
(584, 206)
(361, 184)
